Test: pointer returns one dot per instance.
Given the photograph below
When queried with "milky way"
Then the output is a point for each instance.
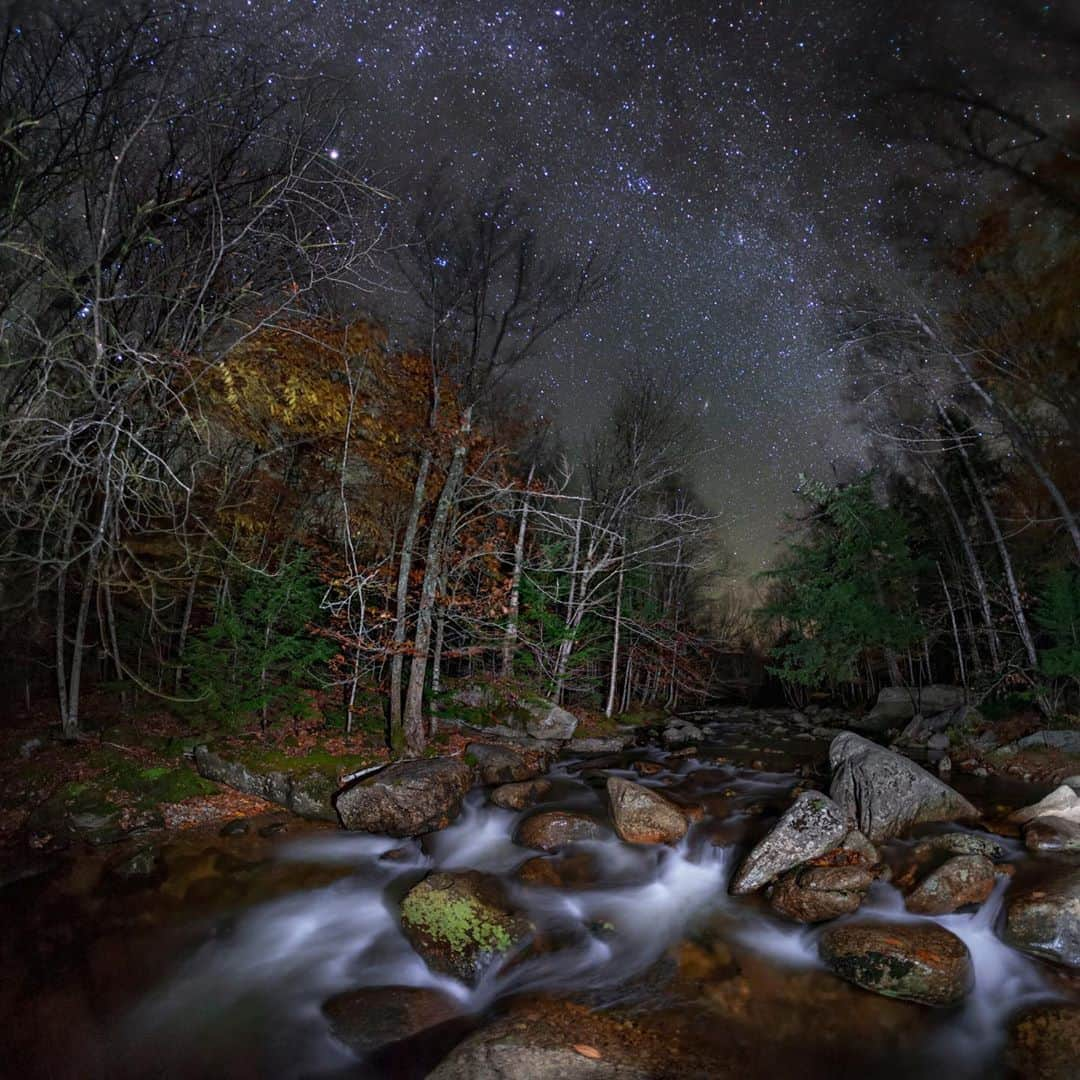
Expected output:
(725, 152)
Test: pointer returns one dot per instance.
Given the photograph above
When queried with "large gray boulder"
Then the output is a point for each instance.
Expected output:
(810, 827)
(896, 705)
(884, 794)
(544, 720)
(406, 799)
(1069, 741)
(643, 816)
(1062, 802)
(497, 764)
(1044, 918)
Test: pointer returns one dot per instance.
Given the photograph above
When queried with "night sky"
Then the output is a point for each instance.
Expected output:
(732, 154)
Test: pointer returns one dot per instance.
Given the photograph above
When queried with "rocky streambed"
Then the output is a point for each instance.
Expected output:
(743, 894)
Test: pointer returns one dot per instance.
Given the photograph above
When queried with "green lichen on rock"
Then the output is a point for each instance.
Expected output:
(460, 922)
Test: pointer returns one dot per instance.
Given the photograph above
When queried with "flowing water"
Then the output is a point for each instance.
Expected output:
(227, 960)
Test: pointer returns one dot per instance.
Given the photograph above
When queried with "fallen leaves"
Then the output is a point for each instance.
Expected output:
(588, 1051)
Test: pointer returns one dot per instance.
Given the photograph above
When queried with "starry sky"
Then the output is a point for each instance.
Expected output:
(732, 155)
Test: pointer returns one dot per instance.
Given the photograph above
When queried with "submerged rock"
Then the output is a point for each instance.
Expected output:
(643, 816)
(810, 827)
(1044, 918)
(371, 1017)
(461, 923)
(1044, 1043)
(553, 829)
(816, 893)
(885, 793)
(497, 764)
(1052, 834)
(918, 961)
(406, 799)
(578, 871)
(518, 796)
(962, 880)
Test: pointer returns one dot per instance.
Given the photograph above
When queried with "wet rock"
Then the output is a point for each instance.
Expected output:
(461, 923)
(1052, 834)
(518, 796)
(553, 829)
(274, 828)
(681, 733)
(406, 799)
(612, 744)
(918, 961)
(962, 880)
(816, 893)
(643, 816)
(1069, 741)
(647, 768)
(1062, 802)
(142, 862)
(810, 827)
(960, 843)
(1044, 918)
(515, 1050)
(884, 793)
(307, 793)
(544, 720)
(371, 1017)
(236, 827)
(940, 741)
(1044, 1043)
(500, 764)
(577, 871)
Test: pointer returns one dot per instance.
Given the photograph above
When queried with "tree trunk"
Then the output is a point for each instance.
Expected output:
(514, 604)
(955, 628)
(615, 647)
(413, 719)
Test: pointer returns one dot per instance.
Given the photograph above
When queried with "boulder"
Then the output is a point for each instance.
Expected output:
(643, 816)
(553, 829)
(406, 799)
(509, 1048)
(962, 880)
(884, 793)
(461, 923)
(543, 720)
(611, 744)
(1069, 741)
(816, 893)
(810, 827)
(306, 792)
(518, 796)
(681, 733)
(374, 1016)
(918, 961)
(1044, 918)
(897, 705)
(497, 764)
(960, 843)
(1052, 834)
(577, 871)
(1063, 802)
(1044, 1043)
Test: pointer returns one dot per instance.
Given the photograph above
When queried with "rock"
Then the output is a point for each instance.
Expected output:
(273, 828)
(1044, 1043)
(816, 893)
(1044, 918)
(1073, 782)
(944, 765)
(810, 827)
(1069, 741)
(544, 720)
(920, 728)
(1062, 802)
(518, 796)
(500, 764)
(610, 745)
(681, 733)
(1052, 834)
(29, 747)
(461, 923)
(643, 816)
(554, 829)
(898, 704)
(917, 961)
(509, 1050)
(577, 871)
(308, 793)
(940, 741)
(371, 1017)
(962, 880)
(647, 768)
(480, 695)
(142, 862)
(406, 799)
(960, 843)
(884, 793)
(236, 827)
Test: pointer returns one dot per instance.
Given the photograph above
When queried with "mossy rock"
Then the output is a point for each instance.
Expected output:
(461, 923)
(78, 810)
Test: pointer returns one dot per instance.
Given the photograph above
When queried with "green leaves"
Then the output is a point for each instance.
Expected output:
(844, 586)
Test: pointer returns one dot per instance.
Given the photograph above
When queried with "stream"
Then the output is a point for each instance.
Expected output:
(220, 965)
